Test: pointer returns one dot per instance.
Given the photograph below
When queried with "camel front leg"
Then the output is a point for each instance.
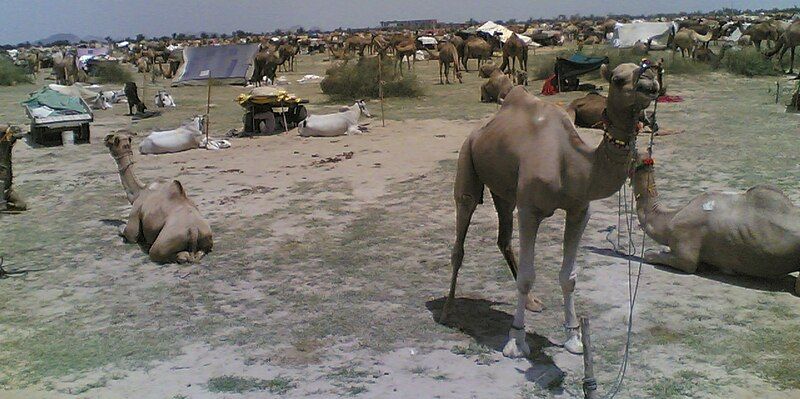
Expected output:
(133, 227)
(576, 224)
(529, 221)
(505, 229)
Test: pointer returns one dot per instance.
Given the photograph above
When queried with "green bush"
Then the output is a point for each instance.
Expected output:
(11, 74)
(748, 62)
(113, 72)
(360, 80)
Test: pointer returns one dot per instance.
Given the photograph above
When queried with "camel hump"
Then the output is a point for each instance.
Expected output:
(176, 189)
(768, 196)
(519, 96)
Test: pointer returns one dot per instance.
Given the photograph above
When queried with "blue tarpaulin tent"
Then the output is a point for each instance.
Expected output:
(227, 64)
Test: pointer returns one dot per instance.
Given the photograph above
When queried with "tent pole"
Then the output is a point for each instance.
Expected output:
(380, 87)
(208, 109)
(144, 85)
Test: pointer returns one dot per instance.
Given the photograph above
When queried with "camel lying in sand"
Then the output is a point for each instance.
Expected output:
(531, 158)
(496, 88)
(755, 233)
(588, 112)
(163, 219)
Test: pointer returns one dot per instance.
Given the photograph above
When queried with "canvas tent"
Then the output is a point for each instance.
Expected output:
(491, 28)
(626, 35)
(228, 64)
(569, 69)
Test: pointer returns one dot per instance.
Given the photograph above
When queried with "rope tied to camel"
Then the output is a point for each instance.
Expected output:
(127, 155)
(633, 286)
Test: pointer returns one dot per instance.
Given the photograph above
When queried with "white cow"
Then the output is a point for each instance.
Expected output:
(186, 137)
(344, 122)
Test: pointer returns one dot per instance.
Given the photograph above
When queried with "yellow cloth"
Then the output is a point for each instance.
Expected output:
(276, 98)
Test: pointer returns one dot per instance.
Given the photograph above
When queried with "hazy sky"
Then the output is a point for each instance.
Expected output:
(22, 20)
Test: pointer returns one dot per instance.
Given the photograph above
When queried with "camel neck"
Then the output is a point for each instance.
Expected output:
(651, 213)
(130, 182)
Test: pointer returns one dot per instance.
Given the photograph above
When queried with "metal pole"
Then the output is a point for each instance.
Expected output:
(208, 110)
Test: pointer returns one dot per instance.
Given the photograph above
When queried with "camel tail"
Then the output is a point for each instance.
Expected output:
(467, 181)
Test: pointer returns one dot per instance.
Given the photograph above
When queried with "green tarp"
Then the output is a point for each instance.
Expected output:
(55, 100)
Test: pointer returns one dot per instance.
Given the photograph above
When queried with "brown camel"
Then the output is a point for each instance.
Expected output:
(9, 199)
(496, 88)
(448, 55)
(687, 40)
(766, 30)
(755, 233)
(479, 49)
(407, 49)
(266, 65)
(515, 49)
(588, 112)
(287, 53)
(487, 69)
(787, 41)
(163, 219)
(531, 157)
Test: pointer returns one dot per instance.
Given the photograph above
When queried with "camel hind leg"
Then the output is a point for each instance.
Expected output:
(468, 194)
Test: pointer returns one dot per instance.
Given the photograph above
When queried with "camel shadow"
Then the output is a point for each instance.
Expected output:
(780, 284)
(489, 327)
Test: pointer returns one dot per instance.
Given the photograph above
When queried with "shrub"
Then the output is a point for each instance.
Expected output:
(360, 80)
(748, 62)
(11, 74)
(112, 72)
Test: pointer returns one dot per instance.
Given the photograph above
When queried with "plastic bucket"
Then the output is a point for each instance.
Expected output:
(68, 137)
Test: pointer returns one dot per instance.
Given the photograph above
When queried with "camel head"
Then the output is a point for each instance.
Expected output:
(641, 174)
(119, 144)
(632, 87)
(363, 107)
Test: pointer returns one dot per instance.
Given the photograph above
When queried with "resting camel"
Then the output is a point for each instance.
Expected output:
(515, 49)
(163, 219)
(755, 233)
(448, 55)
(487, 69)
(532, 159)
(496, 88)
(787, 41)
(588, 112)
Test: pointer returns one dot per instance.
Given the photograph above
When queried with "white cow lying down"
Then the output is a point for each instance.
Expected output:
(345, 122)
(186, 137)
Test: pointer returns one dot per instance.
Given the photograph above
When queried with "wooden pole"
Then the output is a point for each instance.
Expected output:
(380, 87)
(144, 85)
(208, 110)
(589, 383)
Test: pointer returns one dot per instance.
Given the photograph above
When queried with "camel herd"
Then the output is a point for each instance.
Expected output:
(529, 155)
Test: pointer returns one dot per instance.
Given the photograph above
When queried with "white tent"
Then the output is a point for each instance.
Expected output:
(428, 41)
(504, 33)
(626, 35)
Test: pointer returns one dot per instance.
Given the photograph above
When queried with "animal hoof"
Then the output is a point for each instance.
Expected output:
(516, 347)
(573, 344)
(534, 304)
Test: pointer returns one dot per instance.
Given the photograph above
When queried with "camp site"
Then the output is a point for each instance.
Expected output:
(399, 200)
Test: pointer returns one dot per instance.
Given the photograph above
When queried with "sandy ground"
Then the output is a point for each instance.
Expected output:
(327, 278)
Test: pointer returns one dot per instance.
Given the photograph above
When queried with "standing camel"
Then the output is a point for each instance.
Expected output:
(407, 49)
(516, 49)
(531, 157)
(480, 49)
(447, 55)
(787, 41)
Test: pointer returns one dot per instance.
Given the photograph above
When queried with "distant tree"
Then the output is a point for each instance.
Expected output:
(301, 30)
(472, 21)
(140, 37)
(203, 35)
